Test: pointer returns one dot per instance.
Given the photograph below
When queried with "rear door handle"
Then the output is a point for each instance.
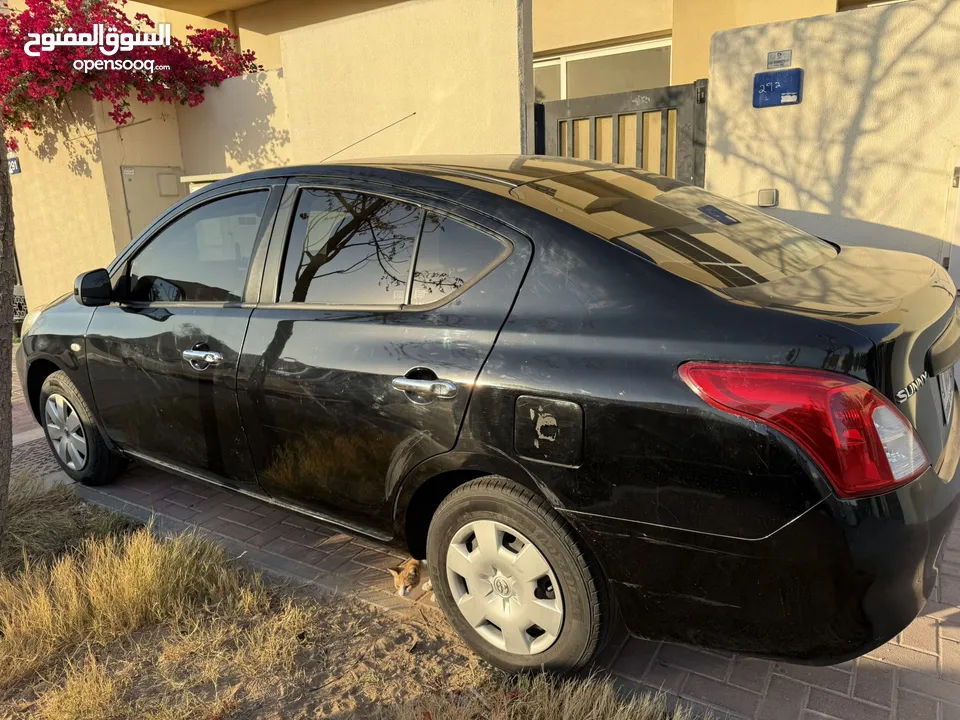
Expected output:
(202, 359)
(438, 388)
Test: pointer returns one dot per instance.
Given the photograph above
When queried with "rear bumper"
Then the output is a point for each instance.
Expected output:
(838, 581)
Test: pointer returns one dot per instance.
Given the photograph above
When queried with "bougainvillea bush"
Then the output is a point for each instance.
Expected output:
(32, 89)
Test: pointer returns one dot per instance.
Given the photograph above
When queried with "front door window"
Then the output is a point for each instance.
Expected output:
(202, 256)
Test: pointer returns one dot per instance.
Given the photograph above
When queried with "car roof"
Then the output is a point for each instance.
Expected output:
(512, 170)
(516, 169)
(539, 182)
(700, 236)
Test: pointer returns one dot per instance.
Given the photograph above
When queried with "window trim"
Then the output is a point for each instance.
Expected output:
(122, 270)
(562, 59)
(408, 295)
(298, 187)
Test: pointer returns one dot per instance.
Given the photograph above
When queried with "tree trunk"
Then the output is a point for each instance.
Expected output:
(7, 276)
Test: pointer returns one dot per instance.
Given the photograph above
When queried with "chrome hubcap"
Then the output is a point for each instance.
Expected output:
(65, 432)
(504, 587)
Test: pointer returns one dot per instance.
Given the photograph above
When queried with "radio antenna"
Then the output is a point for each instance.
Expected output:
(385, 127)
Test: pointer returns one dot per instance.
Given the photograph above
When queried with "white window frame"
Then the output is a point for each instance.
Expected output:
(863, 4)
(563, 58)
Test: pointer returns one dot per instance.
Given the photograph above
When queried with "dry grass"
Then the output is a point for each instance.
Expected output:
(539, 698)
(89, 691)
(44, 524)
(110, 587)
(124, 624)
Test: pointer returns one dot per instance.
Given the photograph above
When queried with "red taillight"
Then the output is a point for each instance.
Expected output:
(861, 442)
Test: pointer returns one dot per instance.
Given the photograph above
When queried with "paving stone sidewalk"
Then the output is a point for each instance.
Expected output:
(914, 677)
(23, 419)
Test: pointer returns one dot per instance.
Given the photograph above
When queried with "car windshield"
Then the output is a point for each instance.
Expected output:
(680, 227)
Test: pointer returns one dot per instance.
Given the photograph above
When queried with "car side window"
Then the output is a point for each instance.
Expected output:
(202, 256)
(349, 248)
(450, 255)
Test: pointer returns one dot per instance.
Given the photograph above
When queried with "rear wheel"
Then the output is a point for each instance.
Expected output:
(513, 580)
(73, 435)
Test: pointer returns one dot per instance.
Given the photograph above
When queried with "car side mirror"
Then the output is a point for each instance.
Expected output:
(93, 288)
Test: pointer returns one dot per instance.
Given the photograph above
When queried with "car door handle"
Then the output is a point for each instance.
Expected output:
(202, 359)
(438, 388)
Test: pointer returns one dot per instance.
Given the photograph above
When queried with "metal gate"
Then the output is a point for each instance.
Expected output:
(663, 130)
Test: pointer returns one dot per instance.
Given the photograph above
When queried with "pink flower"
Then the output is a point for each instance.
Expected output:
(30, 87)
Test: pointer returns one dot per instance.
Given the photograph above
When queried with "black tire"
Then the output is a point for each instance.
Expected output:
(586, 610)
(100, 465)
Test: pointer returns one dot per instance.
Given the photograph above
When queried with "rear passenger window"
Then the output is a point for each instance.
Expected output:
(349, 249)
(451, 254)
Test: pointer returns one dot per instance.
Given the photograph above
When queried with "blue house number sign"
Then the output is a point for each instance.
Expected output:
(780, 87)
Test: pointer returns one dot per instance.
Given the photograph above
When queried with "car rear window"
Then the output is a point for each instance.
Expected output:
(682, 228)
(450, 255)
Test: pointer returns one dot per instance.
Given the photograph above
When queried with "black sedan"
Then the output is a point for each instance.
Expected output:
(578, 390)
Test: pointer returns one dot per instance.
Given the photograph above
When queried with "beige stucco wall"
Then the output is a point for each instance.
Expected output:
(565, 24)
(868, 156)
(69, 204)
(695, 21)
(60, 206)
(240, 126)
(260, 25)
(178, 20)
(454, 63)
(152, 138)
(574, 24)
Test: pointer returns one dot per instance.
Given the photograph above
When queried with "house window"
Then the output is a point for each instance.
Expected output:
(637, 66)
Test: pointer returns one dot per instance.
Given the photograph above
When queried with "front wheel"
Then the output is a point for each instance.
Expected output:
(513, 580)
(73, 435)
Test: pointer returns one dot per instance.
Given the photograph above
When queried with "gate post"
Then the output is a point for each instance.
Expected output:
(700, 132)
(539, 130)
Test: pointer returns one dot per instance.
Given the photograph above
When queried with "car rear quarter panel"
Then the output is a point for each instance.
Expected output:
(601, 327)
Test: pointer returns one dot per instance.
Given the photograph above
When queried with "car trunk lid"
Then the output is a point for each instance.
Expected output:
(906, 305)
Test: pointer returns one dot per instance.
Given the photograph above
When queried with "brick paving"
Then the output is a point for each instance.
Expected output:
(33, 457)
(914, 677)
(294, 544)
(22, 417)
(16, 389)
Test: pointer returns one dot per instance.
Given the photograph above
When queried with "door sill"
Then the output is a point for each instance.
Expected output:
(321, 517)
